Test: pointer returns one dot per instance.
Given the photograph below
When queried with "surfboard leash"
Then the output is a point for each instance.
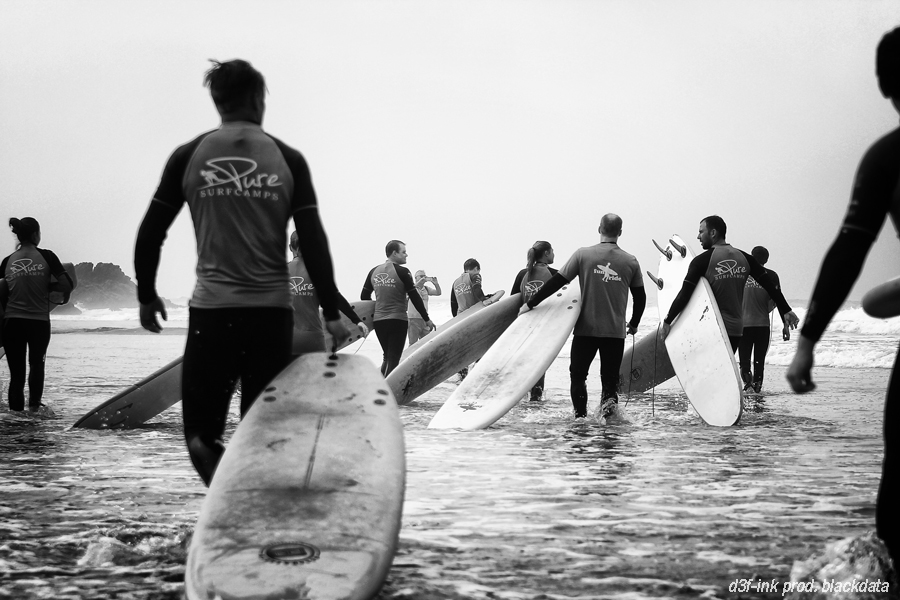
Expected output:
(653, 391)
(630, 371)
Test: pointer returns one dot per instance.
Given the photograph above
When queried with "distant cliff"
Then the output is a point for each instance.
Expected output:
(103, 285)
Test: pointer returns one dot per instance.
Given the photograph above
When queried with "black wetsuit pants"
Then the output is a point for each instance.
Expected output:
(392, 337)
(21, 336)
(755, 340)
(584, 348)
(887, 517)
(224, 345)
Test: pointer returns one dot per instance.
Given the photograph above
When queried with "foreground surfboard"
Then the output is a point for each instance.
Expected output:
(449, 349)
(512, 365)
(140, 402)
(698, 344)
(495, 297)
(645, 364)
(307, 499)
(883, 301)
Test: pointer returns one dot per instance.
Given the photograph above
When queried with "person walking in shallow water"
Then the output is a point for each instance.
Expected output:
(417, 327)
(242, 186)
(529, 282)
(874, 196)
(26, 319)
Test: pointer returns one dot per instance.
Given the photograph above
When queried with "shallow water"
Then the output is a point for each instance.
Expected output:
(656, 505)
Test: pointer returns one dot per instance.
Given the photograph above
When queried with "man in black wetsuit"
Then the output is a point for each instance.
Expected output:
(393, 284)
(875, 195)
(242, 187)
(726, 269)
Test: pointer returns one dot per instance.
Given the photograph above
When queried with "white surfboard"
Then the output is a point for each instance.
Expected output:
(451, 348)
(512, 365)
(495, 297)
(698, 344)
(645, 364)
(307, 499)
(156, 393)
(883, 301)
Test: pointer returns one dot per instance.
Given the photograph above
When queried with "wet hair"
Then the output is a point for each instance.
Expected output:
(610, 224)
(718, 223)
(887, 64)
(760, 254)
(295, 242)
(233, 84)
(471, 264)
(393, 246)
(24, 228)
(535, 253)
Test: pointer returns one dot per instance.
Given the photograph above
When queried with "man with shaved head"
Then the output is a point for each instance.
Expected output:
(607, 273)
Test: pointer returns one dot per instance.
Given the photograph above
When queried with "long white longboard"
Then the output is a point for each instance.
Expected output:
(512, 365)
(698, 344)
(156, 393)
(307, 499)
(449, 349)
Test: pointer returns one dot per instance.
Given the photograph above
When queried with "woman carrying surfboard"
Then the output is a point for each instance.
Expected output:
(26, 320)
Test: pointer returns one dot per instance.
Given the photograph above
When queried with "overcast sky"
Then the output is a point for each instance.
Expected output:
(465, 129)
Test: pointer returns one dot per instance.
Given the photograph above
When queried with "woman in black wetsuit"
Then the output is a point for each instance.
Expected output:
(26, 320)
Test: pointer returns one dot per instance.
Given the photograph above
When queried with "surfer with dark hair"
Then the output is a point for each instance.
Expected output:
(26, 316)
(607, 274)
(726, 269)
(393, 285)
(757, 305)
(467, 292)
(242, 186)
(528, 282)
(874, 197)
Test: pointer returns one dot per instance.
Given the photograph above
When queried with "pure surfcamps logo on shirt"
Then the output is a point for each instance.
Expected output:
(299, 287)
(234, 176)
(729, 269)
(24, 266)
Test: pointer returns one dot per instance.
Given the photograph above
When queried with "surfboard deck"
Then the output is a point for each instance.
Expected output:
(451, 348)
(883, 301)
(645, 364)
(307, 499)
(156, 393)
(698, 344)
(512, 365)
(495, 297)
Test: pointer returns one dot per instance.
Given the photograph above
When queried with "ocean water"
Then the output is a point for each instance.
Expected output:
(655, 505)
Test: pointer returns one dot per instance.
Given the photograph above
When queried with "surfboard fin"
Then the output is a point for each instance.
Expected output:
(682, 250)
(658, 282)
(667, 253)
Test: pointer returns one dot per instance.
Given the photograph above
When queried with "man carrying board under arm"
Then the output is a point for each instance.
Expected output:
(242, 187)
(607, 273)
(727, 269)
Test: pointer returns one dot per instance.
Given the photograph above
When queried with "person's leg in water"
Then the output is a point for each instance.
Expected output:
(760, 349)
(537, 391)
(611, 351)
(887, 517)
(15, 343)
(38, 342)
(266, 335)
(745, 350)
(581, 355)
(392, 336)
(209, 373)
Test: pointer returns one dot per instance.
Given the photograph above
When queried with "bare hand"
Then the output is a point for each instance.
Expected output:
(363, 329)
(790, 319)
(799, 374)
(664, 332)
(339, 333)
(148, 315)
(430, 325)
(786, 333)
(631, 330)
(525, 308)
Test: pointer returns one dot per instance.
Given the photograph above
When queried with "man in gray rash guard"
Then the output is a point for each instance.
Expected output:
(393, 284)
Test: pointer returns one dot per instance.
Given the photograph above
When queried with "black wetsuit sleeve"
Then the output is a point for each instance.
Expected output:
(639, 299)
(347, 309)
(304, 194)
(696, 270)
(517, 284)
(410, 286)
(64, 283)
(148, 246)
(553, 285)
(759, 273)
(167, 202)
(873, 191)
(476, 289)
(454, 303)
(367, 289)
